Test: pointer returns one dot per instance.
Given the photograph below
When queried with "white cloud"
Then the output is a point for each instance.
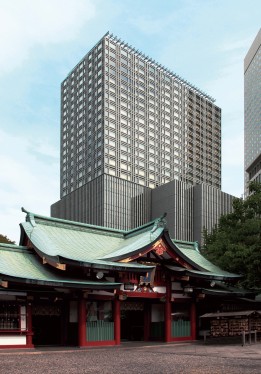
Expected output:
(29, 23)
(29, 163)
(25, 180)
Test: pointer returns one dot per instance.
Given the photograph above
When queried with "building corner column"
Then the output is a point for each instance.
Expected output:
(82, 335)
(29, 325)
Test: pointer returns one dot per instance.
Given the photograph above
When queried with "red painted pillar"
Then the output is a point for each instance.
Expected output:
(117, 321)
(168, 313)
(193, 322)
(29, 324)
(82, 323)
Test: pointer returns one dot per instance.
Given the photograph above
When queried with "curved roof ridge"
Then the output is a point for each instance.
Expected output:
(194, 244)
(23, 267)
(128, 248)
(43, 241)
(198, 261)
(58, 239)
(157, 222)
(182, 241)
(13, 247)
(31, 218)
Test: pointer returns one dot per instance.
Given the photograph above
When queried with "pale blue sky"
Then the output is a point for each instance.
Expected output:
(204, 41)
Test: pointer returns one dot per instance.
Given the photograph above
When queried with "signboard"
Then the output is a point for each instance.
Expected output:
(129, 286)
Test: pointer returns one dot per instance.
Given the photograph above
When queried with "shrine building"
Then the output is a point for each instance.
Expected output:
(75, 284)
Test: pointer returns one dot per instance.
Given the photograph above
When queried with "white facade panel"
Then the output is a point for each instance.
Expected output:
(12, 340)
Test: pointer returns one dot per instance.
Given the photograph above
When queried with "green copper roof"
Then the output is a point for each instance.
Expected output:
(20, 264)
(222, 293)
(134, 244)
(190, 253)
(68, 242)
(203, 274)
(232, 314)
(61, 240)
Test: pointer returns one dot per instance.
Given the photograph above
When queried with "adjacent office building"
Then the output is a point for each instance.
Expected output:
(129, 126)
(252, 98)
(190, 209)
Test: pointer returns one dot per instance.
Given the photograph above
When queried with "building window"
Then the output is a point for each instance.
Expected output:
(11, 316)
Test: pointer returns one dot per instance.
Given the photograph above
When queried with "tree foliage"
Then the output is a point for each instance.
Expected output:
(235, 243)
(5, 239)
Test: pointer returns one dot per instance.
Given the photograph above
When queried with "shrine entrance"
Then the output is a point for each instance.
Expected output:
(132, 321)
(47, 324)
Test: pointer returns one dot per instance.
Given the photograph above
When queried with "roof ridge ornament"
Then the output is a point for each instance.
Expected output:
(196, 246)
(159, 222)
(29, 216)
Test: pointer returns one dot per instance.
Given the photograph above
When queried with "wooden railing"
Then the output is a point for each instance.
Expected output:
(180, 329)
(99, 331)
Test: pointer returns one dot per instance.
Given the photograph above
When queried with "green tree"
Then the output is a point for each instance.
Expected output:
(235, 243)
(5, 239)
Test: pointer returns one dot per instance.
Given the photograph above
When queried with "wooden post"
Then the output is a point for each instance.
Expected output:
(82, 338)
(168, 313)
(147, 319)
(193, 321)
(29, 325)
(243, 338)
(117, 321)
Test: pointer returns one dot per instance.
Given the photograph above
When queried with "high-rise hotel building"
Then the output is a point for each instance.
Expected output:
(128, 126)
(252, 100)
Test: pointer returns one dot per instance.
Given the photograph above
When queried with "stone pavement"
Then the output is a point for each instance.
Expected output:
(136, 357)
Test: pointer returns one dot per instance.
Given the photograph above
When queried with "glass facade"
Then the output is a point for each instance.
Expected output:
(129, 126)
(252, 101)
(107, 201)
(124, 115)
